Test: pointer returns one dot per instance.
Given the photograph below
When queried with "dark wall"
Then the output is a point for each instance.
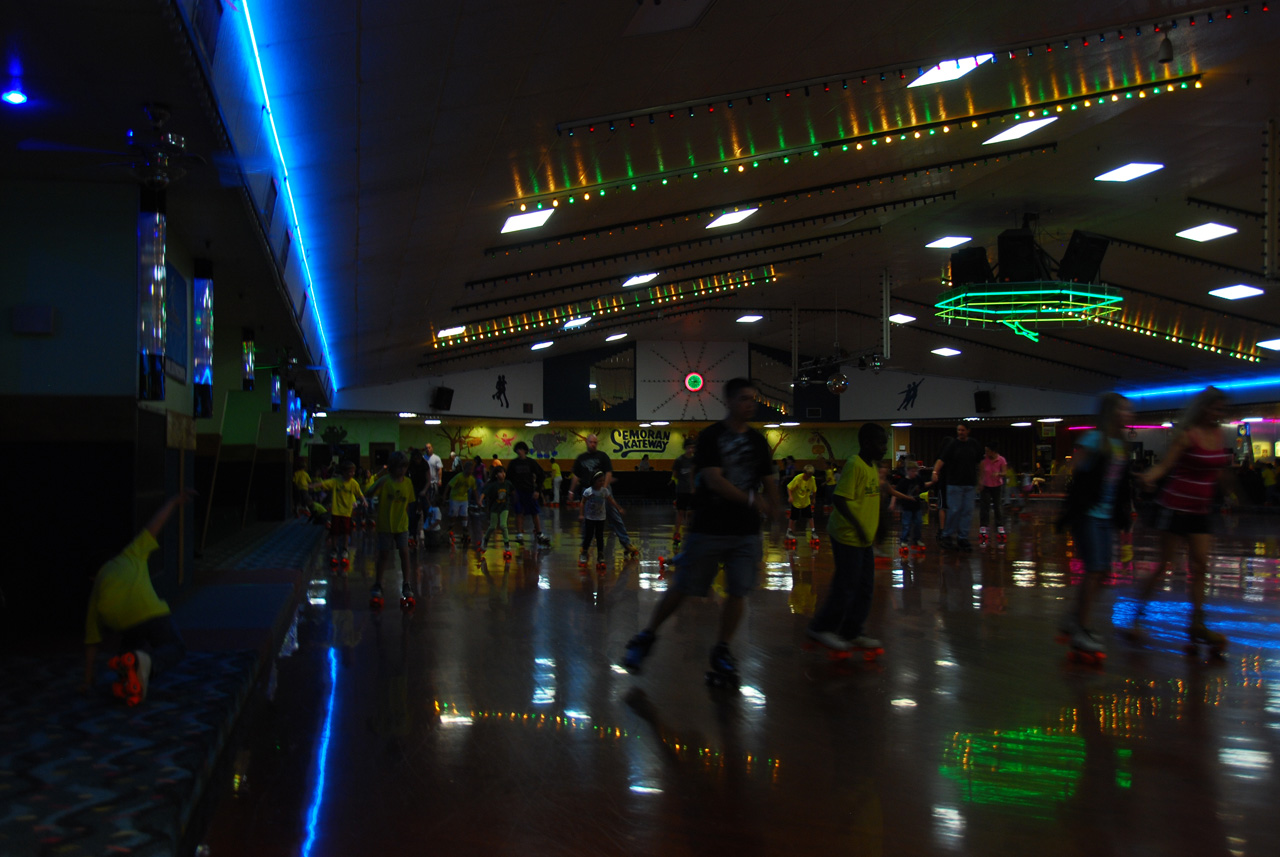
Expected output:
(1017, 445)
(565, 394)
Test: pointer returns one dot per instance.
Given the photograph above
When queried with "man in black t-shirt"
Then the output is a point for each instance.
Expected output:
(957, 467)
(587, 465)
(682, 474)
(526, 475)
(735, 487)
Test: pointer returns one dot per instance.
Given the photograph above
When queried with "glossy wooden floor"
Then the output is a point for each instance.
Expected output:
(494, 720)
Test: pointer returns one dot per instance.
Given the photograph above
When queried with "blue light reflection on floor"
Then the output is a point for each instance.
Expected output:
(317, 796)
(1166, 623)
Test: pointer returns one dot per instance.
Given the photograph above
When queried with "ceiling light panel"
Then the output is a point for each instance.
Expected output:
(945, 352)
(901, 318)
(1128, 172)
(638, 280)
(749, 319)
(732, 217)
(949, 70)
(949, 241)
(1236, 292)
(528, 220)
(615, 337)
(1207, 232)
(1022, 129)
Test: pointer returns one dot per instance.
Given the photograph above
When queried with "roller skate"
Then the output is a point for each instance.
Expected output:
(921, 547)
(133, 669)
(870, 648)
(375, 597)
(630, 552)
(789, 541)
(724, 669)
(675, 536)
(983, 537)
(835, 646)
(582, 560)
(333, 558)
(344, 562)
(1085, 649)
(637, 650)
(506, 550)
(1198, 635)
(543, 540)
(814, 542)
(600, 565)
(903, 550)
(407, 601)
(1001, 536)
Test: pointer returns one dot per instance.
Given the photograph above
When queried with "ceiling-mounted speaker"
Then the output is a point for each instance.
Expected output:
(1019, 257)
(442, 399)
(982, 403)
(1083, 260)
(970, 265)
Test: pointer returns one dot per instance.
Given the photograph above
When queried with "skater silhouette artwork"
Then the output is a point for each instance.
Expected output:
(500, 392)
(909, 395)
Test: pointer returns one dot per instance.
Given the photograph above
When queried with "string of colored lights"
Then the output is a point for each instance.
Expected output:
(1027, 303)
(865, 141)
(552, 270)
(893, 71)
(1214, 347)
(637, 299)
(620, 229)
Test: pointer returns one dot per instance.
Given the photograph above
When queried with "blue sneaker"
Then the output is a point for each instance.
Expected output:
(637, 650)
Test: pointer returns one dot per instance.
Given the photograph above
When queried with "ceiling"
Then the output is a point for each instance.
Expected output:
(415, 129)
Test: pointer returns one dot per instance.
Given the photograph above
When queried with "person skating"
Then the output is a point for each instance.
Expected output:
(682, 475)
(394, 492)
(735, 487)
(526, 475)
(592, 515)
(991, 479)
(800, 493)
(497, 494)
(585, 466)
(957, 469)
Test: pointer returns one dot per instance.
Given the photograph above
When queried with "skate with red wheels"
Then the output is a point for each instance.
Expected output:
(375, 598)
(132, 674)
(814, 542)
(630, 552)
(920, 547)
(983, 537)
(407, 601)
(675, 536)
(789, 541)
(345, 561)
(600, 565)
(1083, 648)
(1002, 538)
(832, 645)
(868, 648)
(582, 560)
(506, 552)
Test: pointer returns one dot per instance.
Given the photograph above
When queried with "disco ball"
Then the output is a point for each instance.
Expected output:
(838, 383)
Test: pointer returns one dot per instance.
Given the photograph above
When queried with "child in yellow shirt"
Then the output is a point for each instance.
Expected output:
(801, 491)
(394, 492)
(345, 493)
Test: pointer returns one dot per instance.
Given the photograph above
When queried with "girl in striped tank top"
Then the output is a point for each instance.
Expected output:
(1195, 464)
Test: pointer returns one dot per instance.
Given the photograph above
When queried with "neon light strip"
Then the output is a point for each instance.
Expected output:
(288, 189)
(1090, 428)
(1265, 381)
(313, 814)
(1180, 340)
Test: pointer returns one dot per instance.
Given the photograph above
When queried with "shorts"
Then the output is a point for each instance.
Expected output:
(801, 513)
(523, 503)
(703, 553)
(684, 502)
(457, 508)
(393, 541)
(1183, 523)
(1093, 543)
(340, 526)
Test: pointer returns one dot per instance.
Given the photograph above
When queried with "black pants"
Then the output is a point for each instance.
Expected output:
(990, 496)
(158, 638)
(592, 529)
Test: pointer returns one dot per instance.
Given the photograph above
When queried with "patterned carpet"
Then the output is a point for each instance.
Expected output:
(285, 544)
(99, 778)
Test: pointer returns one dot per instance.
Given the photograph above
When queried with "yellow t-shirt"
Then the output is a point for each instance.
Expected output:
(344, 494)
(122, 593)
(860, 485)
(460, 488)
(830, 477)
(802, 488)
(393, 505)
(301, 479)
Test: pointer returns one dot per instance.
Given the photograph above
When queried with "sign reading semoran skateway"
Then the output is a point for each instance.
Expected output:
(640, 441)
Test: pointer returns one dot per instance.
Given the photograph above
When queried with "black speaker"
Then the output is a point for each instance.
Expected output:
(970, 265)
(1083, 259)
(442, 399)
(982, 402)
(1019, 258)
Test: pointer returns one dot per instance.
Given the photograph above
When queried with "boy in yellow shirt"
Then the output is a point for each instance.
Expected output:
(301, 489)
(394, 492)
(123, 600)
(460, 488)
(852, 527)
(800, 491)
(345, 493)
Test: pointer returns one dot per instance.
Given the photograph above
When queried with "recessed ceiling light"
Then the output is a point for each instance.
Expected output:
(615, 337)
(1128, 172)
(577, 322)
(1020, 425)
(900, 425)
(788, 425)
(450, 331)
(748, 319)
(1207, 232)
(731, 217)
(431, 422)
(644, 425)
(900, 318)
(949, 70)
(639, 279)
(406, 415)
(15, 97)
(660, 423)
(1272, 344)
(1236, 292)
(945, 352)
(772, 425)
(538, 346)
(1022, 129)
(972, 419)
(591, 386)
(528, 220)
(949, 241)
(1251, 419)
(1049, 420)
(1166, 425)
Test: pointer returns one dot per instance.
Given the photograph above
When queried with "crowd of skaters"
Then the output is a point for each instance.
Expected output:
(726, 485)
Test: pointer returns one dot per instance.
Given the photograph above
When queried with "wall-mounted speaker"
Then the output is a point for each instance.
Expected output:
(982, 403)
(442, 399)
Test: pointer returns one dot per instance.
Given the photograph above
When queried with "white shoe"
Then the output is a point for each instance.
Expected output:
(1083, 640)
(865, 642)
(830, 640)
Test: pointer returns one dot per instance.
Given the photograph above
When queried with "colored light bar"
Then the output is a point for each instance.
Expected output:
(288, 189)
(1207, 232)
(1022, 129)
(1236, 292)
(949, 70)
(732, 217)
(901, 318)
(529, 220)
(639, 280)
(1128, 172)
(948, 241)
(322, 757)
(1253, 383)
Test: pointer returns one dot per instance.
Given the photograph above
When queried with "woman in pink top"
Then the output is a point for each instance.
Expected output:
(991, 482)
(1195, 464)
